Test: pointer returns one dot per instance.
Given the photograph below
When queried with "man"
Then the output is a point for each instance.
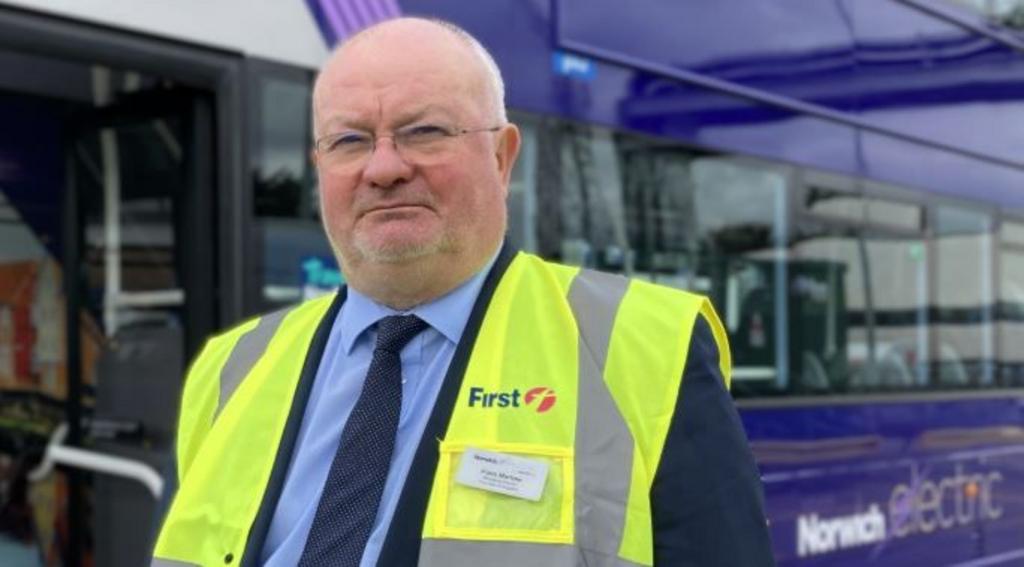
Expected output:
(457, 404)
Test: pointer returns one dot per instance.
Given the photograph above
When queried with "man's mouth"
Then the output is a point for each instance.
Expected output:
(395, 209)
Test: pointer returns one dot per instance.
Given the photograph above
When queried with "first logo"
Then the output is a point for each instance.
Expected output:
(540, 398)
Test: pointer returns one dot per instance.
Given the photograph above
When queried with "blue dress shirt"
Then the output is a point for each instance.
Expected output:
(339, 380)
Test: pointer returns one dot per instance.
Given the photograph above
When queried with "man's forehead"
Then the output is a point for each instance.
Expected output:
(390, 79)
(376, 89)
(392, 65)
(401, 64)
(404, 99)
(425, 33)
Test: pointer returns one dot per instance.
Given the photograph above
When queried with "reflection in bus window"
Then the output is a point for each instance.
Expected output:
(826, 284)
(1010, 306)
(1009, 13)
(890, 325)
(740, 217)
(962, 349)
(828, 292)
(281, 169)
(592, 219)
(289, 240)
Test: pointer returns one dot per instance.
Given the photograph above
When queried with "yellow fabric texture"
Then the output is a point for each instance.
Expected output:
(228, 465)
(527, 340)
(646, 357)
(721, 339)
(202, 390)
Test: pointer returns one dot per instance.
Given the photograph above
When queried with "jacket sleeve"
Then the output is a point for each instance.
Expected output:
(706, 500)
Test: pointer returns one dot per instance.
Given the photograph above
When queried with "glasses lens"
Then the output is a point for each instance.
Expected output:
(346, 150)
(424, 142)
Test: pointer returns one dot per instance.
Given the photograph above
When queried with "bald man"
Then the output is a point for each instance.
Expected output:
(457, 403)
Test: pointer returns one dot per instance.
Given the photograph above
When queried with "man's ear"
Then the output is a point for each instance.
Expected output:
(506, 151)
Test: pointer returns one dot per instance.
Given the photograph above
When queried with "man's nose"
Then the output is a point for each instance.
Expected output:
(386, 167)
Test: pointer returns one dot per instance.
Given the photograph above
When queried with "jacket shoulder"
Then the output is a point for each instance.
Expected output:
(212, 377)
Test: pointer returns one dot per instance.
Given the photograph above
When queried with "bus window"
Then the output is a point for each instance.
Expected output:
(739, 212)
(293, 259)
(828, 289)
(522, 190)
(579, 202)
(962, 349)
(1010, 309)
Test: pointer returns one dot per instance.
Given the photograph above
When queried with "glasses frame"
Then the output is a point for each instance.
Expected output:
(322, 143)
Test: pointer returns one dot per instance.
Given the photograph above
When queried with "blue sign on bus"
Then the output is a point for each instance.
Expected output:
(575, 66)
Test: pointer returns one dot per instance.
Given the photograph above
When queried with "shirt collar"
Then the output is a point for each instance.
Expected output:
(447, 314)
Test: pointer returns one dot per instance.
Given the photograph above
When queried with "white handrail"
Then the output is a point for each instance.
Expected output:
(160, 298)
(59, 454)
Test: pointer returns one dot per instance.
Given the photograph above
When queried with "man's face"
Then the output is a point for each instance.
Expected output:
(395, 206)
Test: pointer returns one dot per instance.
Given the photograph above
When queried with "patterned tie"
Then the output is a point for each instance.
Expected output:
(348, 505)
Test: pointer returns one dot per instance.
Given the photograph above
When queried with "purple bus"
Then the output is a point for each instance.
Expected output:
(844, 178)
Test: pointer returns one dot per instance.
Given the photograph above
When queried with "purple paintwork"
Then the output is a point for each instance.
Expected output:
(339, 19)
(945, 476)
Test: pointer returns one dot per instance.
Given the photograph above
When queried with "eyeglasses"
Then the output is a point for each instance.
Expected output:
(423, 144)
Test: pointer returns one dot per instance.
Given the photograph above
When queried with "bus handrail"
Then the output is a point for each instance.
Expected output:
(59, 454)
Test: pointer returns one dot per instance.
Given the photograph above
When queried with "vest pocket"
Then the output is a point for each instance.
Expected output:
(467, 512)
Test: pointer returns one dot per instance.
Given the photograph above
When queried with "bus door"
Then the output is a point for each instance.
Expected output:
(139, 212)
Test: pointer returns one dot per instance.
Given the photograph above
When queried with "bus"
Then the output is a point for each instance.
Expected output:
(844, 179)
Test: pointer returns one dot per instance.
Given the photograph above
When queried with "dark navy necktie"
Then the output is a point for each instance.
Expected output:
(351, 496)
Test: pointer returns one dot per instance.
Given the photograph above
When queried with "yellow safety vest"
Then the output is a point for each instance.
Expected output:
(572, 367)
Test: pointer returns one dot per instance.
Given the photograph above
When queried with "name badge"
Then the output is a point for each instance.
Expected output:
(505, 474)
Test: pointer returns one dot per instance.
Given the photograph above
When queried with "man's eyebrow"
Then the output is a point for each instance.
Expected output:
(340, 126)
(420, 113)
(342, 122)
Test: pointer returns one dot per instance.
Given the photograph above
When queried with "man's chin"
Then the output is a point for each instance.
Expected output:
(399, 252)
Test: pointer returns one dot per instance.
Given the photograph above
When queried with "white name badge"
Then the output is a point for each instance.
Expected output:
(505, 474)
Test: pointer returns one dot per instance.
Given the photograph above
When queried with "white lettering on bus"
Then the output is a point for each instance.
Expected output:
(815, 535)
(920, 506)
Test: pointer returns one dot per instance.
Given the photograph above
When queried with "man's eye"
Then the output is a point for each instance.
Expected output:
(348, 142)
(423, 133)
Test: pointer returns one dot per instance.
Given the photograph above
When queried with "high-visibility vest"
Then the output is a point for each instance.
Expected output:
(574, 368)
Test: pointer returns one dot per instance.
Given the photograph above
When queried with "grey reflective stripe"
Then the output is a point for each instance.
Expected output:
(247, 351)
(158, 562)
(604, 444)
(595, 298)
(455, 552)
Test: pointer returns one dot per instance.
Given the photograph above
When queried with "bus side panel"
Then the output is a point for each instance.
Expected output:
(895, 483)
